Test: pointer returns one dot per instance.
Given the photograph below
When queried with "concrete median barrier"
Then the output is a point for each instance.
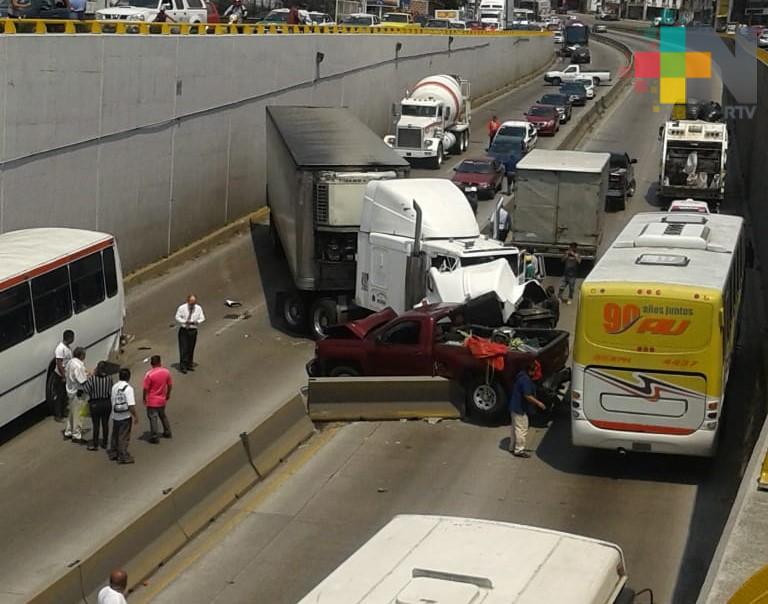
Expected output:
(382, 398)
(184, 510)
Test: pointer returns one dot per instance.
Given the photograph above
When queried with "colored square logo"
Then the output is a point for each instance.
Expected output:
(698, 65)
(647, 65)
(673, 64)
(671, 91)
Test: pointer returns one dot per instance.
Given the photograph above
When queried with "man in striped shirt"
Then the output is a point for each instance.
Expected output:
(99, 391)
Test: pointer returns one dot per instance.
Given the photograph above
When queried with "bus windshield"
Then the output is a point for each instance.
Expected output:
(661, 324)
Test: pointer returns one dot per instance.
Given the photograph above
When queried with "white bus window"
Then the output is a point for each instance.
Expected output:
(110, 272)
(87, 282)
(51, 298)
(16, 324)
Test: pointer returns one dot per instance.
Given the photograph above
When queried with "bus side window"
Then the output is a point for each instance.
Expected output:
(87, 280)
(51, 298)
(110, 272)
(16, 323)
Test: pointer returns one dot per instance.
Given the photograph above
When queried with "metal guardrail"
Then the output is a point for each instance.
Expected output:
(124, 26)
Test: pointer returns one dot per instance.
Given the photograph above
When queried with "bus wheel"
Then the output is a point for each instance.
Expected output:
(485, 401)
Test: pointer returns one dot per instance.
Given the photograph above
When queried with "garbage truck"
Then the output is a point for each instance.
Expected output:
(432, 120)
(693, 160)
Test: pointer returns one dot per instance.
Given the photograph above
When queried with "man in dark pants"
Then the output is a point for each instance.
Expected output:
(62, 356)
(99, 391)
(123, 417)
(157, 392)
(189, 315)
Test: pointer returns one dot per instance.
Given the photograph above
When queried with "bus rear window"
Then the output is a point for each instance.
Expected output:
(659, 323)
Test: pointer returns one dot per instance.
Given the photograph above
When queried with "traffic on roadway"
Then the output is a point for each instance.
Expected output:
(586, 289)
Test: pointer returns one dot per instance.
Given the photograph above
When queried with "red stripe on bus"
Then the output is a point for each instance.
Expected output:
(641, 428)
(59, 262)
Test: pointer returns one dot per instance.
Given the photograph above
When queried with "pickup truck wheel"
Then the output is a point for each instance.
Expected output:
(485, 401)
(556, 81)
(324, 314)
(343, 371)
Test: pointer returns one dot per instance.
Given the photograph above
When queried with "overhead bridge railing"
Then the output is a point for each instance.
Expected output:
(124, 26)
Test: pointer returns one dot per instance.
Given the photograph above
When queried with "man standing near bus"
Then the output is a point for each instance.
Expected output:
(77, 376)
(123, 417)
(157, 392)
(189, 315)
(62, 356)
(523, 395)
(571, 262)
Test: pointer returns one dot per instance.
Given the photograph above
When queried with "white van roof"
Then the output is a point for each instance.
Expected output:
(416, 559)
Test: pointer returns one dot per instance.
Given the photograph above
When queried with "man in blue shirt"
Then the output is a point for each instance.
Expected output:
(523, 395)
(77, 9)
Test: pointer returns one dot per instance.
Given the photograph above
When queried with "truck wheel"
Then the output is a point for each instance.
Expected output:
(485, 401)
(324, 314)
(294, 312)
(437, 160)
(556, 82)
(465, 141)
(344, 371)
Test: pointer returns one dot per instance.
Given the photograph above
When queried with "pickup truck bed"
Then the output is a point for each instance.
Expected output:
(429, 341)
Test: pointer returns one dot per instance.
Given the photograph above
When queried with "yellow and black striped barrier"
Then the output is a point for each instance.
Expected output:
(124, 26)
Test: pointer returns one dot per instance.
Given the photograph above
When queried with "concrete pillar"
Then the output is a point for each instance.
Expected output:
(645, 10)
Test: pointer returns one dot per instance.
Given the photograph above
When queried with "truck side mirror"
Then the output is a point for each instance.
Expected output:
(633, 160)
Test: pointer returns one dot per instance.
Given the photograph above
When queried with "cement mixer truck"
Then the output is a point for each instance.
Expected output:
(433, 120)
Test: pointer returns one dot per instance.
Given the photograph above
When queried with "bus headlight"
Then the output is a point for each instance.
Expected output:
(710, 425)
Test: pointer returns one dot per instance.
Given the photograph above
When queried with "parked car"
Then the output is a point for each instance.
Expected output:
(428, 341)
(475, 25)
(360, 20)
(561, 102)
(589, 86)
(576, 92)
(37, 9)
(621, 181)
(458, 25)
(545, 118)
(438, 24)
(525, 131)
(181, 11)
(599, 28)
(731, 28)
(581, 54)
(279, 16)
(762, 41)
(317, 18)
(397, 20)
(486, 174)
(508, 150)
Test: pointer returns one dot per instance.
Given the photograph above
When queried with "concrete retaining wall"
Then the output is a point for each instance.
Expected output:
(160, 139)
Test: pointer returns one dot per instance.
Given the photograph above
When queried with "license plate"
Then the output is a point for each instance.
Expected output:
(642, 447)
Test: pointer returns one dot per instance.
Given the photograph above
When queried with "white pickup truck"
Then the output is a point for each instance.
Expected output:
(573, 72)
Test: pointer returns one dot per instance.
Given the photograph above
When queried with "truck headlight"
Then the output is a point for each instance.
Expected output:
(428, 143)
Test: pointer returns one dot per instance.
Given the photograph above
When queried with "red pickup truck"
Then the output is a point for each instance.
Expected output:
(429, 341)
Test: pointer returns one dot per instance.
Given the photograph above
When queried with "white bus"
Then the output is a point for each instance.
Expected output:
(417, 559)
(52, 279)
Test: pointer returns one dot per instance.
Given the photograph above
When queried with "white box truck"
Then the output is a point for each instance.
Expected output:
(559, 199)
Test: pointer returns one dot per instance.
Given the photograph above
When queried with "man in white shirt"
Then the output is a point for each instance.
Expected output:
(62, 355)
(113, 593)
(76, 376)
(123, 417)
(189, 315)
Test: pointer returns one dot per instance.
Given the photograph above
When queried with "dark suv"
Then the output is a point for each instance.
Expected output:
(621, 181)
(561, 102)
(581, 54)
(575, 92)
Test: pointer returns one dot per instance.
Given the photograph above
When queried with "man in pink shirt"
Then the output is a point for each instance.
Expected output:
(157, 392)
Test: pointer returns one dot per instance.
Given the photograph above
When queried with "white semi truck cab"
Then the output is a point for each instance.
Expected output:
(433, 120)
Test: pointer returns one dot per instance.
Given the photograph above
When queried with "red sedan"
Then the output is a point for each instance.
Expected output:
(485, 174)
(545, 118)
